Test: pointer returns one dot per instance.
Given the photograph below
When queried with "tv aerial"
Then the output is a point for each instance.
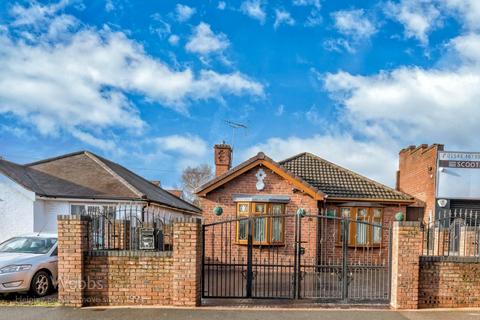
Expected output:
(235, 126)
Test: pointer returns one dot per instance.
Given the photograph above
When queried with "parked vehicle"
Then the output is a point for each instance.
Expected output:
(29, 264)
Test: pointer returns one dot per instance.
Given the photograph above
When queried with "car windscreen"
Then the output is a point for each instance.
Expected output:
(34, 245)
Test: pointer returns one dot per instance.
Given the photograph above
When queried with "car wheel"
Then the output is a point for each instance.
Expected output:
(41, 284)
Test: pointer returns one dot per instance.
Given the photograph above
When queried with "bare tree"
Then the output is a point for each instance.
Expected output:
(194, 177)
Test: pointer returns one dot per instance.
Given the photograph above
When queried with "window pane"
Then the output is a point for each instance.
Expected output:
(361, 228)
(377, 220)
(377, 234)
(259, 208)
(361, 233)
(277, 209)
(242, 229)
(76, 209)
(243, 208)
(346, 213)
(260, 235)
(277, 228)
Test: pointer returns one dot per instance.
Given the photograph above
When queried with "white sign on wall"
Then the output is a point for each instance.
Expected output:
(458, 175)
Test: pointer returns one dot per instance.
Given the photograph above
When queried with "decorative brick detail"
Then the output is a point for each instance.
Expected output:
(120, 277)
(407, 240)
(72, 243)
(187, 262)
(449, 282)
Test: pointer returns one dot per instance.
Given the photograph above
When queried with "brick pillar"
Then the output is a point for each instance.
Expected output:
(187, 262)
(407, 240)
(72, 243)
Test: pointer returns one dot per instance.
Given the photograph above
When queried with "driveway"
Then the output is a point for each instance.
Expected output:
(57, 313)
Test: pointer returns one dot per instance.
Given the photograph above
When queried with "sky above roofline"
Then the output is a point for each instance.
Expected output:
(151, 85)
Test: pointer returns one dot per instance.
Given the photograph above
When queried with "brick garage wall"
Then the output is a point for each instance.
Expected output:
(417, 173)
(245, 184)
(115, 278)
(449, 282)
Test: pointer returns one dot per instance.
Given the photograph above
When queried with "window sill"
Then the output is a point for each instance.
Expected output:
(278, 244)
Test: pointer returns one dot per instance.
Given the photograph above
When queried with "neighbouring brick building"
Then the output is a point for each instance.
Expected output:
(261, 186)
(441, 179)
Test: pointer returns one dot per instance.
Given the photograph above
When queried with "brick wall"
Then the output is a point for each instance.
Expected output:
(100, 278)
(430, 281)
(376, 256)
(406, 250)
(449, 282)
(417, 174)
(128, 278)
(245, 184)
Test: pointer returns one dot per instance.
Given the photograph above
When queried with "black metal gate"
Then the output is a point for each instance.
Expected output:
(318, 257)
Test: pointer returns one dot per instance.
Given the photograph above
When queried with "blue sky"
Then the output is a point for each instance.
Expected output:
(149, 84)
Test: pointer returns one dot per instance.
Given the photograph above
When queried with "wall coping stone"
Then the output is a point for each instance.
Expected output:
(124, 253)
(73, 217)
(188, 220)
(407, 223)
(450, 259)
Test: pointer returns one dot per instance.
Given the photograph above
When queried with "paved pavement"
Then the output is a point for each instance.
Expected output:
(58, 313)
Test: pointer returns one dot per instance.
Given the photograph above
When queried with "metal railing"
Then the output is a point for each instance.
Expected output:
(454, 232)
(128, 228)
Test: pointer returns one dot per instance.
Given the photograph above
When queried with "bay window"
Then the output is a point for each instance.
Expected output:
(364, 228)
(268, 227)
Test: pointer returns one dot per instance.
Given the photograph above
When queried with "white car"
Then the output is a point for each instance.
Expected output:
(29, 264)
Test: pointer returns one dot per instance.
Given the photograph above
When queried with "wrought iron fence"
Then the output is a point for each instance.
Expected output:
(453, 232)
(128, 227)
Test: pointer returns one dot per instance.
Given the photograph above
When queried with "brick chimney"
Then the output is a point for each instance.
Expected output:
(223, 158)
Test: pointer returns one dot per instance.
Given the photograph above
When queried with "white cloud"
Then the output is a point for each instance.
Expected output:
(411, 102)
(280, 110)
(109, 6)
(354, 23)
(283, 17)
(254, 9)
(467, 10)
(160, 26)
(314, 18)
(467, 47)
(338, 45)
(188, 145)
(221, 5)
(103, 144)
(418, 18)
(381, 113)
(173, 39)
(315, 3)
(184, 12)
(203, 41)
(35, 13)
(367, 158)
(77, 79)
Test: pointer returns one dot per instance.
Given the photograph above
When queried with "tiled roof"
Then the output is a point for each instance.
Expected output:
(85, 175)
(338, 182)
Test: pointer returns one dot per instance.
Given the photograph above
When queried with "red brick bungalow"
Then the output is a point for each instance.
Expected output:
(262, 187)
